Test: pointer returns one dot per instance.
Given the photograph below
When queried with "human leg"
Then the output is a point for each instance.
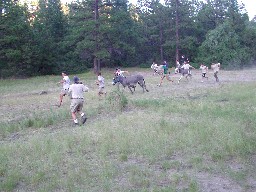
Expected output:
(62, 94)
(203, 76)
(216, 76)
(74, 110)
(168, 77)
(79, 110)
(161, 80)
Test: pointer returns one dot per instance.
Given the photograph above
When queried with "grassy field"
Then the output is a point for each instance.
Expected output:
(190, 136)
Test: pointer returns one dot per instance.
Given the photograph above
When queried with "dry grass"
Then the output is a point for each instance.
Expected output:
(189, 137)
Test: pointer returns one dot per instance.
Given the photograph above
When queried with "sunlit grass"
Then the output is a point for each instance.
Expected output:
(155, 141)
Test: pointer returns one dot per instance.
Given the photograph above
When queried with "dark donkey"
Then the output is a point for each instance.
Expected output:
(130, 81)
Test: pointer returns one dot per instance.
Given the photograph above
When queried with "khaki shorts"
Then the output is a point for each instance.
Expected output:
(64, 92)
(76, 105)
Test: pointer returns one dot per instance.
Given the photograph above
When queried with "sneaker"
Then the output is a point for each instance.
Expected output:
(75, 124)
(83, 118)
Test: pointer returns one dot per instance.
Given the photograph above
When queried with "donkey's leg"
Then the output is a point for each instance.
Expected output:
(129, 86)
(141, 84)
(144, 85)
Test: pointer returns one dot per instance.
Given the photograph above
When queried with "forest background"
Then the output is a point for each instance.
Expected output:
(46, 37)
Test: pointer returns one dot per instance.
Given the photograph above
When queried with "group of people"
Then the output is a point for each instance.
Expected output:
(76, 93)
(77, 89)
(183, 64)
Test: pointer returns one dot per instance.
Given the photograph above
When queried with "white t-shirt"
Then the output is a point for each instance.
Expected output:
(101, 81)
(204, 69)
(120, 73)
(66, 82)
(186, 66)
(216, 67)
(77, 90)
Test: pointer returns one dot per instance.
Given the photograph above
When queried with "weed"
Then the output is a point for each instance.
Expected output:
(117, 100)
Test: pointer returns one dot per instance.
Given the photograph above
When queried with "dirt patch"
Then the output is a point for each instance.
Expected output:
(213, 182)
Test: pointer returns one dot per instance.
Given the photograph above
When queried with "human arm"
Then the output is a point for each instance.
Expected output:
(85, 88)
(192, 67)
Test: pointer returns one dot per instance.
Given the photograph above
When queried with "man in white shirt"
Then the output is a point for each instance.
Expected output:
(76, 92)
(119, 72)
(65, 86)
(101, 84)
(204, 70)
(187, 67)
(177, 67)
(216, 68)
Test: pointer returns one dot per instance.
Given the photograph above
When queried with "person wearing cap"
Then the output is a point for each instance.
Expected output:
(65, 86)
(76, 93)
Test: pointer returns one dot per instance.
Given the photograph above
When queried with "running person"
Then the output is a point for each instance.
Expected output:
(216, 68)
(76, 92)
(204, 70)
(165, 74)
(65, 86)
(101, 84)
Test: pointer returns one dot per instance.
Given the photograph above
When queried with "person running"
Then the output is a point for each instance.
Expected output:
(186, 66)
(119, 72)
(65, 86)
(216, 68)
(165, 74)
(165, 63)
(177, 67)
(101, 84)
(76, 92)
(204, 70)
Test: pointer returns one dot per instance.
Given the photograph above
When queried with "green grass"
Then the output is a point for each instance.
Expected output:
(156, 141)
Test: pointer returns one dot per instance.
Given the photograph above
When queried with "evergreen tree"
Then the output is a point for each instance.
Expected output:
(222, 45)
(49, 29)
(15, 41)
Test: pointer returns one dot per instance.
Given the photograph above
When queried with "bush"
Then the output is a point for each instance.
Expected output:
(117, 100)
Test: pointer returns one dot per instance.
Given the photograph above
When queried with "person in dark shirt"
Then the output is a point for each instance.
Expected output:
(165, 74)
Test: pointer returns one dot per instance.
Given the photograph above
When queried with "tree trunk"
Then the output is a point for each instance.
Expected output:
(161, 44)
(96, 65)
(177, 29)
(96, 61)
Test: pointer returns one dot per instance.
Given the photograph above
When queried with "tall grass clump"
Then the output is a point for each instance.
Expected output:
(117, 100)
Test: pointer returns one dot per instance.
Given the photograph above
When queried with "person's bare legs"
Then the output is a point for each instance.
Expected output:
(61, 98)
(161, 81)
(168, 78)
(73, 114)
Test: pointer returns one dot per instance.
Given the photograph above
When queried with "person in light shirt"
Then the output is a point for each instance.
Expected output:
(186, 66)
(101, 83)
(216, 68)
(65, 86)
(119, 72)
(204, 70)
(76, 93)
(177, 67)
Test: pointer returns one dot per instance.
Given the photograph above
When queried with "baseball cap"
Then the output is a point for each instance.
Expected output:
(76, 79)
